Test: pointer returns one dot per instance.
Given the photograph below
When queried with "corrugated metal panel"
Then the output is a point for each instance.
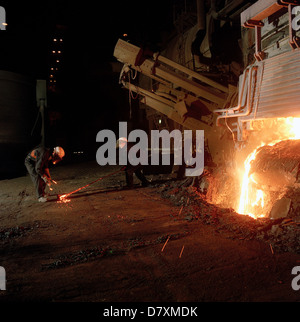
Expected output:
(277, 93)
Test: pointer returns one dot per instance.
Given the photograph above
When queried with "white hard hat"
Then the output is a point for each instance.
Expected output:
(59, 151)
(121, 142)
(58, 154)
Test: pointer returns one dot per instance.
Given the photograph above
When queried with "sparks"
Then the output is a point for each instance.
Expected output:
(252, 200)
(63, 199)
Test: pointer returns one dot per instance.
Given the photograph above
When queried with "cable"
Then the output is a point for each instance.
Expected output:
(258, 92)
(37, 117)
(130, 92)
(233, 137)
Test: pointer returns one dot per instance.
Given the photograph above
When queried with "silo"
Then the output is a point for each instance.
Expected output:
(17, 114)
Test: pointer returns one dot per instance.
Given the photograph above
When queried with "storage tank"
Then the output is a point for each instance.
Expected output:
(17, 114)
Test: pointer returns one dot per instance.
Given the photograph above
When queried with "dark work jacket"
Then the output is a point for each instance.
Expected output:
(129, 146)
(40, 155)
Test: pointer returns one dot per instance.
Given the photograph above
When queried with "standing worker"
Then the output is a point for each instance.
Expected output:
(131, 169)
(37, 164)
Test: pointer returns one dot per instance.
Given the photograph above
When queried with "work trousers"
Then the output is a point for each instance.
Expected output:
(137, 170)
(38, 182)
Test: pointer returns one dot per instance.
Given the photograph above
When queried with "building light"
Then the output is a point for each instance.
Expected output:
(59, 52)
(159, 121)
(54, 39)
(57, 60)
(52, 68)
(53, 51)
(51, 76)
(60, 40)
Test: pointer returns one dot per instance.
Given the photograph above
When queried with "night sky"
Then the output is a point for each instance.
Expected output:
(89, 98)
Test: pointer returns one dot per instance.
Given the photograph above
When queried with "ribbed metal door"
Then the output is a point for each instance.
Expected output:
(277, 93)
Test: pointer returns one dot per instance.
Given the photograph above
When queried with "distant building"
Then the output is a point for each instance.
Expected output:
(56, 57)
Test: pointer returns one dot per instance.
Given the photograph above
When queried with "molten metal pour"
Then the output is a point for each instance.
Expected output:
(251, 198)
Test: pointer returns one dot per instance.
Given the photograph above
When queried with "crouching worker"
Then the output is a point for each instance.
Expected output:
(131, 169)
(37, 165)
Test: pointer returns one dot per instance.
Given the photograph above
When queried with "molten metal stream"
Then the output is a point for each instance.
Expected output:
(244, 198)
(248, 198)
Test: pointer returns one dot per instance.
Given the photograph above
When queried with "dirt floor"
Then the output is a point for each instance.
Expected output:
(109, 244)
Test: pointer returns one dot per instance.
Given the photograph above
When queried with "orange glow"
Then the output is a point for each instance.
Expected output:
(252, 200)
(63, 199)
(294, 127)
(259, 199)
(245, 197)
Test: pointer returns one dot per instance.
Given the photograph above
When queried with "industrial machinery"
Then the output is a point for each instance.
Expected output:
(235, 74)
(199, 89)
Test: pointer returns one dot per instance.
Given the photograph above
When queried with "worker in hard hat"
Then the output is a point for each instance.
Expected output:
(131, 169)
(37, 165)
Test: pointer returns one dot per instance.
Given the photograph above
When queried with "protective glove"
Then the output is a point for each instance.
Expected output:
(47, 180)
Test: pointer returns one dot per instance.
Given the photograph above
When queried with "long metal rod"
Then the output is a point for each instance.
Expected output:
(70, 193)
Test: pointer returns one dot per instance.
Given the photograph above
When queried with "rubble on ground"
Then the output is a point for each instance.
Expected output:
(275, 170)
(11, 233)
(283, 234)
(90, 254)
(278, 165)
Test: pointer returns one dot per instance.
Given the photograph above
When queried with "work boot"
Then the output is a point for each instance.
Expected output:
(42, 199)
(145, 183)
